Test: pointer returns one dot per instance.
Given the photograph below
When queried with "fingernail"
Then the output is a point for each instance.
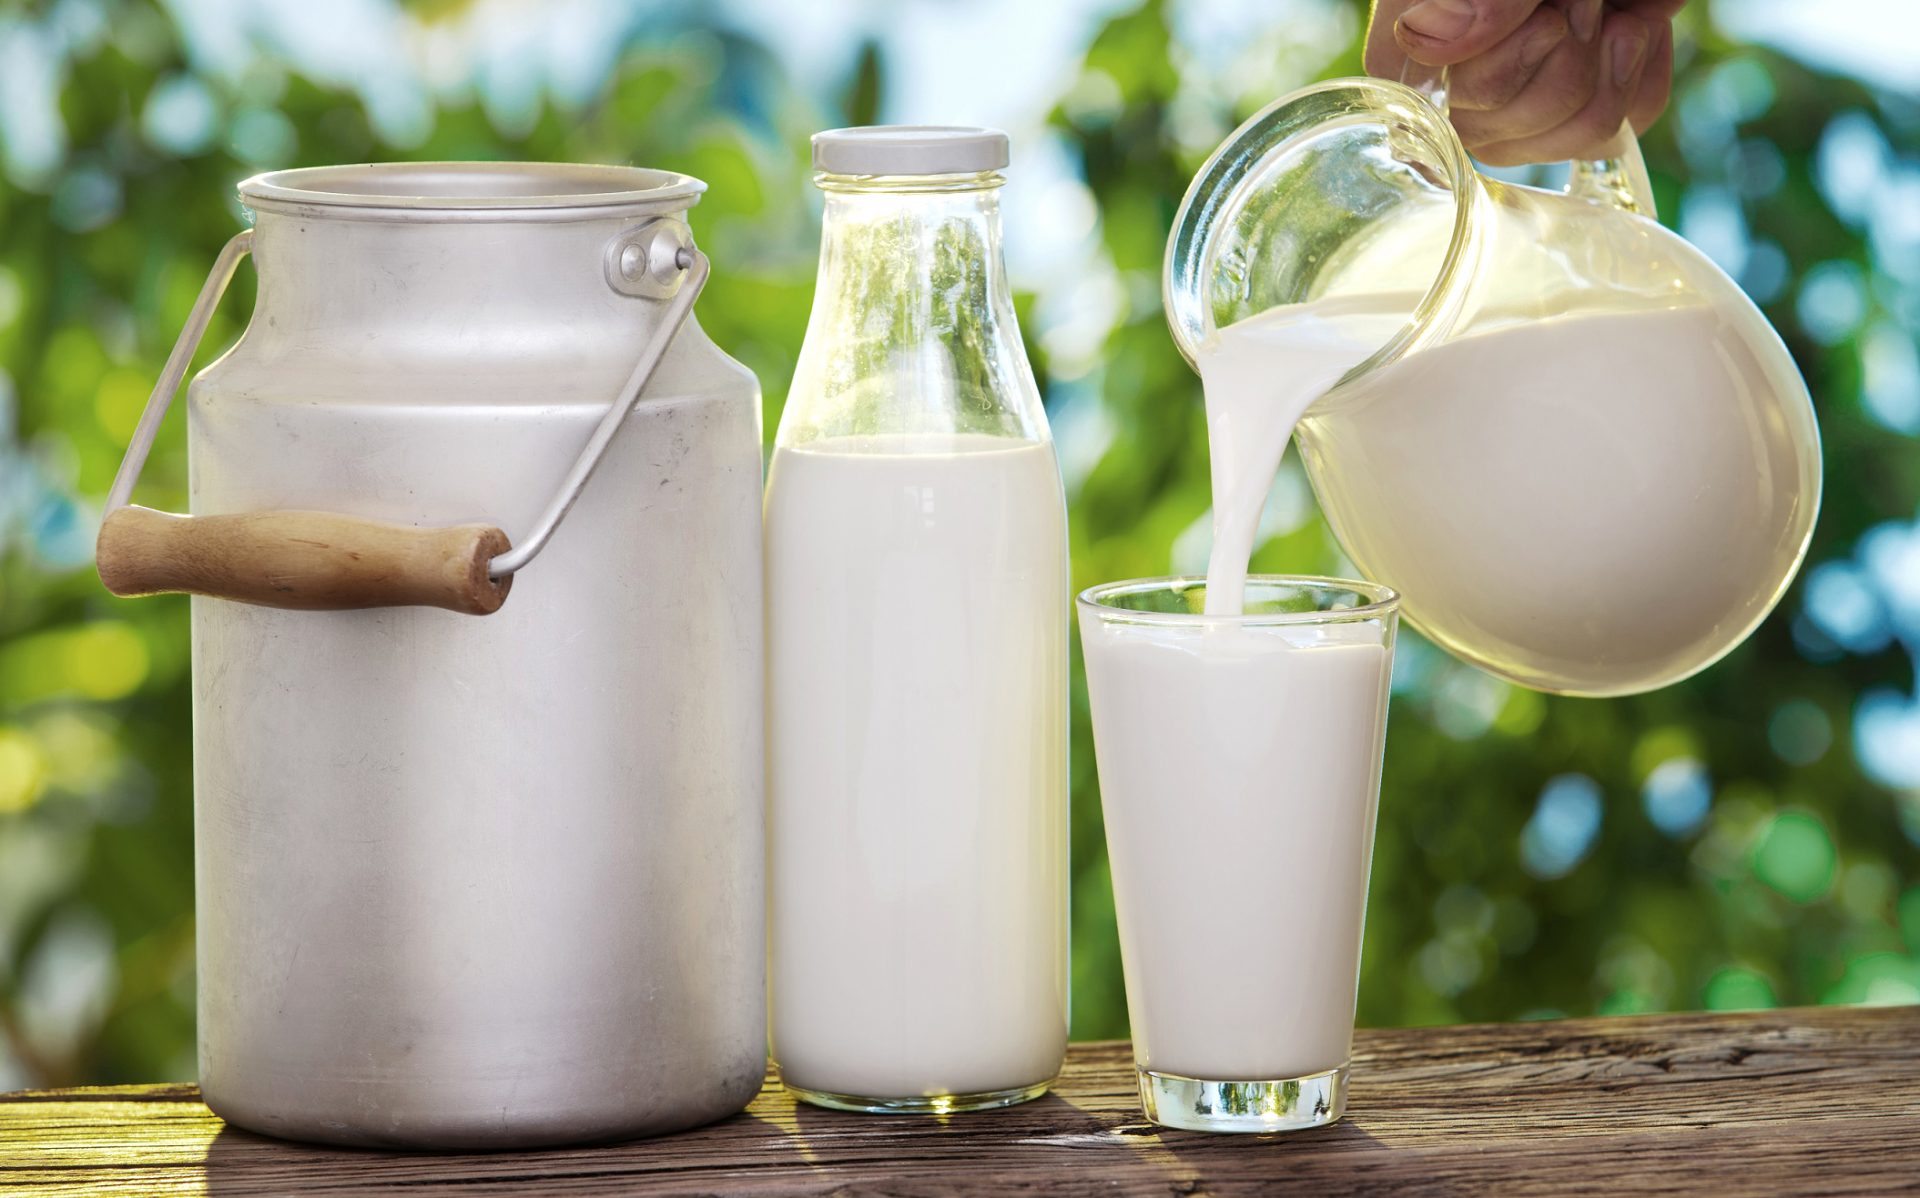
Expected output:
(1441, 20)
(1584, 16)
(1540, 43)
(1624, 53)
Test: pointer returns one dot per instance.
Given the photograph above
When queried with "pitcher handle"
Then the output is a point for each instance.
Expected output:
(325, 561)
(1618, 178)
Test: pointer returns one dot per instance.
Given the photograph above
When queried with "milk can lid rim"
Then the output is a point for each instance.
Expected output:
(443, 187)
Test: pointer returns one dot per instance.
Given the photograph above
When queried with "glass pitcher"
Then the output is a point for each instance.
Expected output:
(1584, 458)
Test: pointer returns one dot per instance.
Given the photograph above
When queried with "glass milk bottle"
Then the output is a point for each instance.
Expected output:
(917, 614)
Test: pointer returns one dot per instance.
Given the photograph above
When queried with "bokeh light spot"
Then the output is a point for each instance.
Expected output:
(1522, 713)
(1744, 87)
(106, 660)
(1766, 272)
(1795, 856)
(1886, 736)
(1677, 795)
(1658, 745)
(263, 137)
(118, 402)
(23, 771)
(1890, 377)
(1565, 821)
(1867, 889)
(1889, 555)
(73, 363)
(79, 748)
(1627, 1002)
(1845, 609)
(1849, 164)
(1737, 989)
(85, 199)
(1448, 965)
(1467, 702)
(1757, 168)
(1910, 919)
(1833, 301)
(1878, 979)
(13, 297)
(1463, 909)
(1710, 217)
(1800, 732)
(181, 116)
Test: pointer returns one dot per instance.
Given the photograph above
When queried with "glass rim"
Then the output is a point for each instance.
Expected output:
(1380, 601)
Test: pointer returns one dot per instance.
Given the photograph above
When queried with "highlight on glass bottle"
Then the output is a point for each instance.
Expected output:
(917, 656)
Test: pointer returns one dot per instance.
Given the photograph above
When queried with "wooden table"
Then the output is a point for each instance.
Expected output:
(1822, 1100)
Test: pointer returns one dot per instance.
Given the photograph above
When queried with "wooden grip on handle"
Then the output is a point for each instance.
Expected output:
(306, 561)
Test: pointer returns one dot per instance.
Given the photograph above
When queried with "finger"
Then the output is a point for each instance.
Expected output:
(1624, 42)
(1443, 32)
(1656, 81)
(1492, 80)
(1583, 18)
(1562, 86)
(1383, 58)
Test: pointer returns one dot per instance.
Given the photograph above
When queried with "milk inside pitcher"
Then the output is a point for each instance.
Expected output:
(1576, 447)
(470, 880)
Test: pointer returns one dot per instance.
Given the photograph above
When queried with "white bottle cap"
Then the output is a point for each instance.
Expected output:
(910, 150)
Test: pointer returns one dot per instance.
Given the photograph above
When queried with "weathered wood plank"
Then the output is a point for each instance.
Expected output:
(1821, 1100)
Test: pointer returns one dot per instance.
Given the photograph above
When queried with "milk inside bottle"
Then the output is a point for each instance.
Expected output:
(917, 656)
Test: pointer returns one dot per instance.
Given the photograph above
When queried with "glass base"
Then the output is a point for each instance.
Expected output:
(933, 1104)
(1285, 1104)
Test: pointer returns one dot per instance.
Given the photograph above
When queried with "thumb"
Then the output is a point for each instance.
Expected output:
(1443, 32)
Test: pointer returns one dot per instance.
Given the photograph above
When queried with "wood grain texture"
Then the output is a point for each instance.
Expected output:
(1815, 1101)
(307, 561)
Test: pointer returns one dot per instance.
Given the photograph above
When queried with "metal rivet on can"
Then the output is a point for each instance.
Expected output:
(647, 261)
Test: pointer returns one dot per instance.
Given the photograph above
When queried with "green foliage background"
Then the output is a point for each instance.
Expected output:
(1800, 884)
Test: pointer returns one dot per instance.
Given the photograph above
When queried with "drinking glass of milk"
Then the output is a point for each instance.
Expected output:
(1239, 747)
(917, 598)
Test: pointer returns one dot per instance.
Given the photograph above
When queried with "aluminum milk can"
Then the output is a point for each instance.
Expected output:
(470, 877)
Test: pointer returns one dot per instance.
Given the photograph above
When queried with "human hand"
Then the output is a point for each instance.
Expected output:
(1534, 80)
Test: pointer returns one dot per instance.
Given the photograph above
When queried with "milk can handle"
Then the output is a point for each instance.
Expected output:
(1619, 178)
(326, 561)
